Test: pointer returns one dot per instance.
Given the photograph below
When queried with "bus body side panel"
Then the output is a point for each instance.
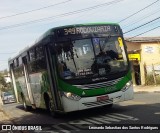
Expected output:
(35, 88)
(45, 87)
(38, 77)
(27, 81)
(39, 85)
(21, 85)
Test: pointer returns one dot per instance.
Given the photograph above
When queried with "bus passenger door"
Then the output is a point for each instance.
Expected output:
(25, 61)
(53, 80)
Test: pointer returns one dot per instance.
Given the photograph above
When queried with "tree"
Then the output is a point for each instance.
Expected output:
(5, 72)
(3, 83)
(2, 80)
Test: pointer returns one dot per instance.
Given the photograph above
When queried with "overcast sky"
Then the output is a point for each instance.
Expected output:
(14, 38)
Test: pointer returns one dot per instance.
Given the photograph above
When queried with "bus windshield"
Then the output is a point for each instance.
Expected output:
(91, 57)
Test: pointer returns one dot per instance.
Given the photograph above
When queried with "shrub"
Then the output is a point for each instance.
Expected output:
(150, 80)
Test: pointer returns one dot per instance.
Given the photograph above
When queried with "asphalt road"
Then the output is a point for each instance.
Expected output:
(143, 109)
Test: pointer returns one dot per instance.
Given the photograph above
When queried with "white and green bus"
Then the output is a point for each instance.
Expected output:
(73, 67)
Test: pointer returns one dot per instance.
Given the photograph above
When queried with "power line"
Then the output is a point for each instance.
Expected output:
(34, 10)
(142, 25)
(88, 15)
(144, 32)
(8, 53)
(142, 18)
(62, 15)
(138, 11)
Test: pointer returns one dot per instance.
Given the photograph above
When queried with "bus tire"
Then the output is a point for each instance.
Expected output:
(49, 108)
(25, 106)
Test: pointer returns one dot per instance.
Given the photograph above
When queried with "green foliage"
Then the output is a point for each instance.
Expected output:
(150, 79)
(158, 79)
(5, 72)
(2, 80)
(3, 85)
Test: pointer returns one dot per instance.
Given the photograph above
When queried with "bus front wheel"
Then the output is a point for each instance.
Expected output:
(50, 108)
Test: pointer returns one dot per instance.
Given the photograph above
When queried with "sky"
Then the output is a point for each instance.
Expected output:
(16, 33)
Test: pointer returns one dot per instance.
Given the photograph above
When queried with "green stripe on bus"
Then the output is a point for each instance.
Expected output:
(63, 86)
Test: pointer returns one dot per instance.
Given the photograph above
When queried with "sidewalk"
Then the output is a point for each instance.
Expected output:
(4, 119)
(151, 88)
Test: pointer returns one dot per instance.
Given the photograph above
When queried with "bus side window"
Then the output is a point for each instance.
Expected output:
(20, 67)
(32, 54)
(20, 61)
(40, 60)
(15, 63)
(11, 66)
(32, 63)
(28, 57)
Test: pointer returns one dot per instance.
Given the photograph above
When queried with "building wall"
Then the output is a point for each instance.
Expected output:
(132, 46)
(150, 56)
(150, 53)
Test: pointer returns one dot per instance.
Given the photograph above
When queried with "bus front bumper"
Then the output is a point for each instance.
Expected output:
(91, 102)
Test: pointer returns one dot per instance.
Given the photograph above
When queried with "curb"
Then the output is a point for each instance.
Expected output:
(149, 89)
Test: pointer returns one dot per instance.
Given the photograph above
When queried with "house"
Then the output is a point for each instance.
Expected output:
(144, 53)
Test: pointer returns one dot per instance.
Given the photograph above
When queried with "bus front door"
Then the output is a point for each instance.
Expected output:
(52, 78)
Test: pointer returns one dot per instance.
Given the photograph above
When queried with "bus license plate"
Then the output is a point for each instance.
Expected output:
(102, 98)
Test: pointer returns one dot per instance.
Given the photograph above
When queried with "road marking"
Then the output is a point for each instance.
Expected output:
(126, 103)
(79, 122)
(157, 113)
(92, 121)
(117, 117)
(65, 128)
(84, 123)
(110, 119)
(102, 119)
(126, 116)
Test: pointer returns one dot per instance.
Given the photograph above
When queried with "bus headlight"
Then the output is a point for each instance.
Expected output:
(72, 96)
(128, 84)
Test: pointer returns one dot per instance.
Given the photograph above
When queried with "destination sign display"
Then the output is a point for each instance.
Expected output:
(101, 29)
(86, 30)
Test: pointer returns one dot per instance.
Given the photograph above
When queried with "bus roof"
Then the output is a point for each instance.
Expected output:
(86, 24)
(50, 32)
